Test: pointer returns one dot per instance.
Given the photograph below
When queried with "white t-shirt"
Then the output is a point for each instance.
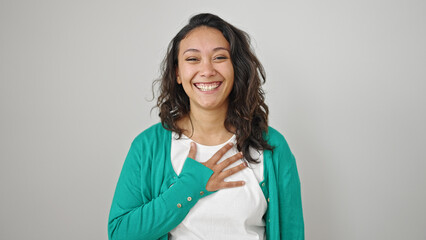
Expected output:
(231, 213)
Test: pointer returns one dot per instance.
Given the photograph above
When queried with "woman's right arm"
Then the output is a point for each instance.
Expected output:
(136, 214)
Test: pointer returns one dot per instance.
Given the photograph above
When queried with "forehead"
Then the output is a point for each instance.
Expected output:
(203, 39)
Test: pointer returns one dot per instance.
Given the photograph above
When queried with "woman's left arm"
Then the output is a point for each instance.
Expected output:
(290, 200)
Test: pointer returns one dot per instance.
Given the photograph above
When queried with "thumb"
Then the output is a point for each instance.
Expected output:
(192, 150)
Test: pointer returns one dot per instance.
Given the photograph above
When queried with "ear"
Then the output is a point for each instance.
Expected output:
(178, 80)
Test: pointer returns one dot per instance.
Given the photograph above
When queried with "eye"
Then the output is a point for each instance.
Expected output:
(191, 59)
(221, 57)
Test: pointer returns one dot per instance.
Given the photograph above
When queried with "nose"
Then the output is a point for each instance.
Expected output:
(207, 69)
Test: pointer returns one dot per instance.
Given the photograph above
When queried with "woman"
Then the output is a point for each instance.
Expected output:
(212, 169)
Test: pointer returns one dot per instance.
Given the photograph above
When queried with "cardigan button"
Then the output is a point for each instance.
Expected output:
(263, 184)
(179, 205)
(201, 193)
(268, 199)
(189, 199)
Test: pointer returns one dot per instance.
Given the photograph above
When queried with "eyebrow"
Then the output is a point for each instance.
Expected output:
(196, 50)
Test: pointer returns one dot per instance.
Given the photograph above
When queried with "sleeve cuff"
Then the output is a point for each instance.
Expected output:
(190, 186)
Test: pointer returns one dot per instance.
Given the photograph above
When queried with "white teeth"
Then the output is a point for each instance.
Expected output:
(204, 87)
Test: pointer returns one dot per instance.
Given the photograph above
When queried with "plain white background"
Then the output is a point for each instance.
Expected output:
(345, 85)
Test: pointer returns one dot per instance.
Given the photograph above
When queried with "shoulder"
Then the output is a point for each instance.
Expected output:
(149, 142)
(153, 133)
(274, 137)
(278, 142)
(154, 138)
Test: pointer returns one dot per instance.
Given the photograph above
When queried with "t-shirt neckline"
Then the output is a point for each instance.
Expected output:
(199, 145)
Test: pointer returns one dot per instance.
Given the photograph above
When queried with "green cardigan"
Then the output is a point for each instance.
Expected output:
(151, 199)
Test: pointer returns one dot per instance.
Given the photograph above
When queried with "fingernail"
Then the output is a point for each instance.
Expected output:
(243, 183)
(245, 164)
(230, 144)
(192, 144)
(241, 154)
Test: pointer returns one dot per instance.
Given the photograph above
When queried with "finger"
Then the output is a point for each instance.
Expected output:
(233, 184)
(229, 161)
(218, 155)
(192, 150)
(233, 170)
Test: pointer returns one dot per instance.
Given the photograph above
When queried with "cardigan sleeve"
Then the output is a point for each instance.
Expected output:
(290, 201)
(136, 213)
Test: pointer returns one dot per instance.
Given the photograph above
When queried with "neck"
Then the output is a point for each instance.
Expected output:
(206, 127)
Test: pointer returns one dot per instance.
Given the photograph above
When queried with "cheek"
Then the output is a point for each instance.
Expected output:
(187, 75)
(231, 74)
(228, 71)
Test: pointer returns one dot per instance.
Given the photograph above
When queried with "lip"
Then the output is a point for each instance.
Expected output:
(207, 87)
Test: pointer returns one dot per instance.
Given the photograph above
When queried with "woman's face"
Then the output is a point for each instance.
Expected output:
(205, 69)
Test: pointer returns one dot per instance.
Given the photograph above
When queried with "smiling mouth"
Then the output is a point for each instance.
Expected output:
(205, 87)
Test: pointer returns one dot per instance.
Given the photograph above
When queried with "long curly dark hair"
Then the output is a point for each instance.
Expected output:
(247, 112)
